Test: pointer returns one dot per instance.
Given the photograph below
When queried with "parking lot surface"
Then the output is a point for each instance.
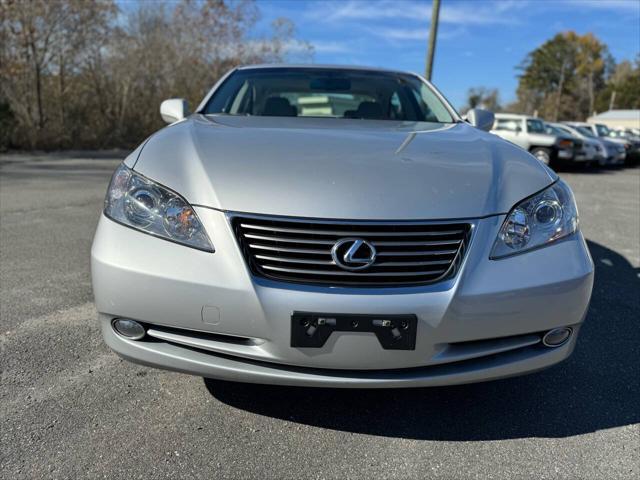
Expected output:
(69, 408)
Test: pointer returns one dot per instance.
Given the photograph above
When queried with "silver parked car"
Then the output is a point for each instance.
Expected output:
(338, 227)
(615, 149)
(594, 150)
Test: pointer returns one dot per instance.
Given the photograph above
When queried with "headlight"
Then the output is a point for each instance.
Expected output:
(137, 202)
(537, 221)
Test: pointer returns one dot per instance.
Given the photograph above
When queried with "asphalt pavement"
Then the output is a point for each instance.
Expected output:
(70, 408)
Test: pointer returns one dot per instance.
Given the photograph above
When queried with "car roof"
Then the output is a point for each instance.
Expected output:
(578, 124)
(565, 125)
(515, 116)
(319, 66)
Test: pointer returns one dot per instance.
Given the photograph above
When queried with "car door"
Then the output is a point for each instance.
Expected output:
(511, 129)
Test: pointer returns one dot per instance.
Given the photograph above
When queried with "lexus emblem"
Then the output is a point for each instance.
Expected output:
(353, 254)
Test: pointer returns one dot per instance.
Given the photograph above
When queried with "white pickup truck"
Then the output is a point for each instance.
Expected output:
(529, 133)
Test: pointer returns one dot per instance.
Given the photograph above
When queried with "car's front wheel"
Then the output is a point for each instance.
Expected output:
(542, 154)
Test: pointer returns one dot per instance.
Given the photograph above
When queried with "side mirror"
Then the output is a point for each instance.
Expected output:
(481, 119)
(518, 129)
(174, 109)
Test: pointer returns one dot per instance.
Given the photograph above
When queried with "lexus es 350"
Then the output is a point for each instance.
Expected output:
(339, 227)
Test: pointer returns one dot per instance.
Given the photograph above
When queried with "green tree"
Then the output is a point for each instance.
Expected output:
(84, 74)
(42, 47)
(622, 90)
(593, 62)
(561, 79)
(483, 97)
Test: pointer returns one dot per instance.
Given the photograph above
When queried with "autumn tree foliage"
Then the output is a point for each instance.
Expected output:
(86, 74)
(483, 97)
(562, 79)
(569, 77)
(622, 89)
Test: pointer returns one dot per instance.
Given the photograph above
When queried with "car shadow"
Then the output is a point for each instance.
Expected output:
(596, 388)
(595, 169)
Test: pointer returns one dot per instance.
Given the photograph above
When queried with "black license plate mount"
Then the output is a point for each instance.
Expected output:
(394, 332)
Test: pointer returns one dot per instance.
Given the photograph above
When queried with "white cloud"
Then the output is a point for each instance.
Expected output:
(481, 13)
(297, 46)
(614, 5)
(362, 10)
(402, 33)
(331, 47)
(300, 47)
(454, 13)
(416, 34)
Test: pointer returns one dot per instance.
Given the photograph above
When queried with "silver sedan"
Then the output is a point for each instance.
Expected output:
(338, 227)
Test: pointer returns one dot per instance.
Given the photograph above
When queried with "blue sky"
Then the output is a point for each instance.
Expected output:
(480, 42)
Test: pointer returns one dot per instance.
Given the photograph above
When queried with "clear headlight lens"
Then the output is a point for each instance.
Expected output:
(537, 221)
(140, 203)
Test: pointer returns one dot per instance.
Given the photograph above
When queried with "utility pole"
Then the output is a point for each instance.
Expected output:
(433, 32)
(612, 100)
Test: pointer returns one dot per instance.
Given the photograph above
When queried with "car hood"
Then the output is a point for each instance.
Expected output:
(342, 169)
(610, 143)
(617, 141)
(590, 141)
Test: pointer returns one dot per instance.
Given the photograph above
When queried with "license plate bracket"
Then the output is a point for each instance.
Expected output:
(394, 332)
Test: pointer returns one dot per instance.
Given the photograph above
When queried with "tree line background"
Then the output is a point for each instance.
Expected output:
(86, 74)
(569, 77)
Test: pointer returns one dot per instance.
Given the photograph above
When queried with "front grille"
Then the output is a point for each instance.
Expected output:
(299, 250)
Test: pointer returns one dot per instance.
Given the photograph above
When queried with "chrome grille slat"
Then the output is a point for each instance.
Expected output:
(415, 254)
(299, 250)
(288, 240)
(347, 233)
(289, 250)
(344, 273)
(416, 244)
(295, 260)
(412, 264)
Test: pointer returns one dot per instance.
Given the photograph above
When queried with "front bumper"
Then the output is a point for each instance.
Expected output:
(617, 157)
(565, 154)
(208, 316)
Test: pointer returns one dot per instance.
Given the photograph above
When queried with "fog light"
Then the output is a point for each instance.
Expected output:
(128, 328)
(556, 337)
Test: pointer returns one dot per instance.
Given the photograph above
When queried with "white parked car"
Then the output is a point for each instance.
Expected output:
(529, 133)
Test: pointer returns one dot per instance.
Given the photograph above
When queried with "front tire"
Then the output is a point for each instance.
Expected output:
(542, 154)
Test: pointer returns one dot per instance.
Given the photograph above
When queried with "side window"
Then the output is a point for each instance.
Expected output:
(506, 124)
(395, 107)
(422, 104)
(435, 109)
(535, 126)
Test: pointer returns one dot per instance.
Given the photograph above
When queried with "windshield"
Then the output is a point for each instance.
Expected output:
(602, 130)
(565, 129)
(585, 131)
(316, 92)
(552, 130)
